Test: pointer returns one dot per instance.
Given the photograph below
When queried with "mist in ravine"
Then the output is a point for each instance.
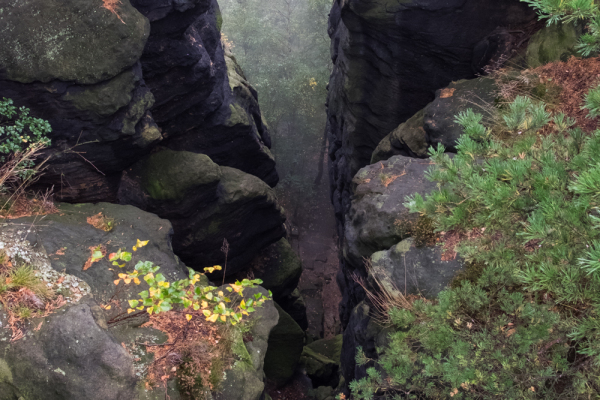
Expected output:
(283, 48)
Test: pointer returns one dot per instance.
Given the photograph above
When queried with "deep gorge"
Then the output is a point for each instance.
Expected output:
(181, 123)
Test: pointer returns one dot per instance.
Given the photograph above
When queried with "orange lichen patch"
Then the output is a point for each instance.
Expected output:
(575, 77)
(99, 221)
(195, 349)
(447, 92)
(113, 7)
(97, 253)
(386, 180)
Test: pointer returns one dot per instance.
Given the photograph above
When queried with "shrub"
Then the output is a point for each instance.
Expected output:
(527, 325)
(21, 138)
(161, 296)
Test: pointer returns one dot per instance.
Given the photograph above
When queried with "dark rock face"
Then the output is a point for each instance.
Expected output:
(112, 85)
(77, 65)
(285, 347)
(204, 103)
(389, 59)
(206, 204)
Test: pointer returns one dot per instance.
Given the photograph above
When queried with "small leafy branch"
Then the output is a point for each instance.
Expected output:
(209, 301)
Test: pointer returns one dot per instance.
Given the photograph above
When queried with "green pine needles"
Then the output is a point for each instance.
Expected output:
(528, 326)
(574, 12)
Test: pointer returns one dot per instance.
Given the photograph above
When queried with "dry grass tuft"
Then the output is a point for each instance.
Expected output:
(385, 296)
(15, 201)
(24, 295)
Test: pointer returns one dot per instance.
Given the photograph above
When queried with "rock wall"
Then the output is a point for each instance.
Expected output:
(116, 85)
(385, 108)
(389, 59)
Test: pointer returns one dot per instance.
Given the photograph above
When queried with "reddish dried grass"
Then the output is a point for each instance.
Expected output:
(189, 352)
(575, 77)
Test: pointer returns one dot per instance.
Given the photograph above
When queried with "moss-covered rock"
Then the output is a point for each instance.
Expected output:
(552, 43)
(413, 270)
(319, 368)
(285, 347)
(407, 139)
(106, 97)
(245, 380)
(279, 267)
(377, 218)
(169, 175)
(330, 348)
(69, 40)
(435, 124)
(206, 204)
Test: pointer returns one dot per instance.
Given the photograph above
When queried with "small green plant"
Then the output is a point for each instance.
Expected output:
(162, 296)
(524, 322)
(573, 11)
(19, 131)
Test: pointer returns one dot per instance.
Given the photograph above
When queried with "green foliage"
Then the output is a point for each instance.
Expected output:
(573, 11)
(283, 48)
(525, 325)
(19, 130)
(163, 296)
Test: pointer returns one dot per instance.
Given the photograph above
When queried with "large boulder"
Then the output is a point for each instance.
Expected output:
(415, 270)
(377, 218)
(85, 351)
(321, 360)
(76, 65)
(204, 104)
(206, 204)
(72, 356)
(285, 347)
(435, 124)
(72, 353)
